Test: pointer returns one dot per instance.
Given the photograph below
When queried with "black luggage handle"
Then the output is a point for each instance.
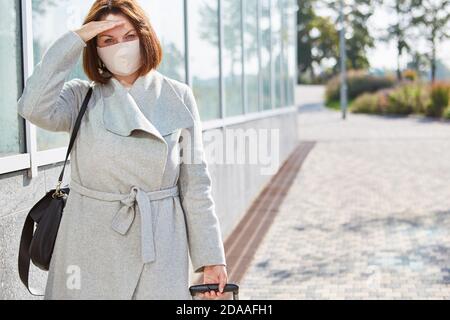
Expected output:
(202, 288)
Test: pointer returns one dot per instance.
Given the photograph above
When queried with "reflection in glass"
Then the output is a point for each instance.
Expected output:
(204, 56)
(232, 57)
(265, 54)
(284, 47)
(11, 124)
(292, 28)
(287, 34)
(276, 52)
(167, 18)
(50, 20)
(251, 54)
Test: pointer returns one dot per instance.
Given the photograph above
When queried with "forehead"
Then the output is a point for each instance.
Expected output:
(120, 30)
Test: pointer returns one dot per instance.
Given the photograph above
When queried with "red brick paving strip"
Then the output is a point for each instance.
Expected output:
(242, 243)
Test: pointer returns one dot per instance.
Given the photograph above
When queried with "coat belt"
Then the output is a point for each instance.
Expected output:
(124, 218)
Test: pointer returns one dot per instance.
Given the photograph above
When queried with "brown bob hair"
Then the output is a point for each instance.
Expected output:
(150, 45)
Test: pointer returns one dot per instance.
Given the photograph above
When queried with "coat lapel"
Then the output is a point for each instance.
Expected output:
(151, 105)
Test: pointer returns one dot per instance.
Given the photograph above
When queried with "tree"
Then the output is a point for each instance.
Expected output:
(433, 17)
(418, 63)
(326, 43)
(358, 37)
(399, 30)
(305, 15)
(317, 39)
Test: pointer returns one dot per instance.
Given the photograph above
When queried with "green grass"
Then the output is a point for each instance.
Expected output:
(336, 104)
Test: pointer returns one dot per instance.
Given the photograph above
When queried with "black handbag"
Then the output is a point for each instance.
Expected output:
(37, 245)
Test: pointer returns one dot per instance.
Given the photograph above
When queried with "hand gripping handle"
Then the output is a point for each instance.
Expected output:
(202, 288)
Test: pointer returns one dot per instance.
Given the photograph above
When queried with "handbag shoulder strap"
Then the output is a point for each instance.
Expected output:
(75, 130)
(28, 227)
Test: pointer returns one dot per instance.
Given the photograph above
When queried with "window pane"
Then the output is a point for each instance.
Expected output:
(11, 124)
(167, 18)
(204, 56)
(285, 34)
(232, 57)
(292, 27)
(276, 51)
(251, 53)
(265, 54)
(50, 20)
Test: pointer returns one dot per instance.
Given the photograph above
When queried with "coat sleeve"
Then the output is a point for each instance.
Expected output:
(47, 100)
(204, 233)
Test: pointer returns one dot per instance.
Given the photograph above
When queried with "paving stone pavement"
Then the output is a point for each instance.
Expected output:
(367, 217)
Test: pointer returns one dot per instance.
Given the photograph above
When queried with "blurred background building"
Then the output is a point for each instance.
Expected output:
(239, 56)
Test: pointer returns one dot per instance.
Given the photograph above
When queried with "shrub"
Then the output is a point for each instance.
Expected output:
(406, 98)
(439, 94)
(383, 99)
(402, 100)
(365, 103)
(358, 82)
(446, 113)
(410, 74)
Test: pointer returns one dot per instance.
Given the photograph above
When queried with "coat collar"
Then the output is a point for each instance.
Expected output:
(152, 104)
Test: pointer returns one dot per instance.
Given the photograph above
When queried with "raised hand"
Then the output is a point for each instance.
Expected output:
(93, 28)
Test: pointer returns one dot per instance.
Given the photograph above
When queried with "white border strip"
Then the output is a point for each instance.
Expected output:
(219, 123)
(14, 163)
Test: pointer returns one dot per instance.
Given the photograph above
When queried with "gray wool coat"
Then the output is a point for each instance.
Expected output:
(140, 204)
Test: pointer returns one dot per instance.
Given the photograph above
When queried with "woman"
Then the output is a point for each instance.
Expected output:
(140, 192)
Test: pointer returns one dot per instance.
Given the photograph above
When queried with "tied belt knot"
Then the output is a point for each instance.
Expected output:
(123, 219)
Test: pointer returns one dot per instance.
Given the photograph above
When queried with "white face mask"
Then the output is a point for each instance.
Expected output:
(123, 58)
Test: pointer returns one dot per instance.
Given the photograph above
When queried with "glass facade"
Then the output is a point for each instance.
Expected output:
(240, 58)
(251, 56)
(167, 18)
(12, 140)
(266, 56)
(50, 20)
(204, 64)
(291, 30)
(232, 57)
(275, 14)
